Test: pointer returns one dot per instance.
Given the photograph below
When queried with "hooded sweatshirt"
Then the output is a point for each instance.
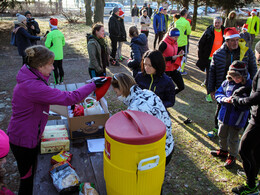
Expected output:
(30, 106)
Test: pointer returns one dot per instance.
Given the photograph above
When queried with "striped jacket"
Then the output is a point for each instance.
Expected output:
(219, 66)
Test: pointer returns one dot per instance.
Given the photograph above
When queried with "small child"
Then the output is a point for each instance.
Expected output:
(245, 35)
(122, 38)
(55, 42)
(231, 120)
(4, 149)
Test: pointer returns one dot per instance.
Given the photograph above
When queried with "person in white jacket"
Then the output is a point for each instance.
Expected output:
(145, 23)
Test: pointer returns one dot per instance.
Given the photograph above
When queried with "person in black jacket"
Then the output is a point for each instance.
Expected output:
(138, 48)
(22, 37)
(153, 77)
(32, 25)
(135, 15)
(207, 45)
(149, 11)
(249, 148)
(114, 27)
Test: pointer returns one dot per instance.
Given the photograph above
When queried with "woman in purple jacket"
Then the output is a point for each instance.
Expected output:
(30, 105)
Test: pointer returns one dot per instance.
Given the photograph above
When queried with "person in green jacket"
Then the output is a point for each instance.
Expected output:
(253, 26)
(55, 42)
(184, 27)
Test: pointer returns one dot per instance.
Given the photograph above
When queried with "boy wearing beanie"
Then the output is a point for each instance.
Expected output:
(231, 120)
(55, 42)
(245, 35)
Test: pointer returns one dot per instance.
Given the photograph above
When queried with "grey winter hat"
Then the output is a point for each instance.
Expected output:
(20, 17)
(115, 9)
(238, 67)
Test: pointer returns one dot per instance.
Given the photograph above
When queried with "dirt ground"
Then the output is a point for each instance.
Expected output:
(76, 70)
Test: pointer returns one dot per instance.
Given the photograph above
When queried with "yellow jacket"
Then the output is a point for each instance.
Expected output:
(253, 25)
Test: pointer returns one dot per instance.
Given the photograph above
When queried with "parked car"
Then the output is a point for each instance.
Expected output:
(246, 10)
(109, 7)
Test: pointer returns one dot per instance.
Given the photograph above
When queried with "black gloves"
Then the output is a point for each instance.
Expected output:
(242, 90)
(235, 101)
(99, 81)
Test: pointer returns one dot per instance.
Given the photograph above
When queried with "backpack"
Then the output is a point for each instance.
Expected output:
(13, 39)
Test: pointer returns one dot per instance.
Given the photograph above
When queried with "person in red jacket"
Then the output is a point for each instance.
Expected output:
(169, 49)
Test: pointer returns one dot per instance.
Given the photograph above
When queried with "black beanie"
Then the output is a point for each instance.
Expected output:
(27, 12)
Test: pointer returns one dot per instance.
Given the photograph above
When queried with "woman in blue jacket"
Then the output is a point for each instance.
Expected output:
(153, 77)
(22, 36)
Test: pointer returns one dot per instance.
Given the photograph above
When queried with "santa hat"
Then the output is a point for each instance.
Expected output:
(4, 144)
(230, 33)
(121, 13)
(238, 67)
(254, 11)
(245, 27)
(54, 22)
(101, 91)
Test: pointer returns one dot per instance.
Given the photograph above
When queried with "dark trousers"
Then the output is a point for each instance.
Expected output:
(24, 60)
(26, 160)
(146, 33)
(177, 79)
(158, 35)
(93, 73)
(216, 115)
(58, 71)
(114, 47)
(249, 151)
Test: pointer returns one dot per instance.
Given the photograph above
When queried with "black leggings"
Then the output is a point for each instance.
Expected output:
(177, 79)
(249, 151)
(216, 114)
(26, 160)
(160, 36)
(58, 66)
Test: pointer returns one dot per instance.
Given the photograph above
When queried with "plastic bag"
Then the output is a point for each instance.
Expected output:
(92, 107)
(78, 110)
(87, 189)
(62, 156)
(64, 177)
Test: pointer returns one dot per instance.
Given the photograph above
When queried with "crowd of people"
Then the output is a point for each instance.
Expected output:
(224, 54)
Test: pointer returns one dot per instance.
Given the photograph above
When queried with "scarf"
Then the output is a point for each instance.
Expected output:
(102, 42)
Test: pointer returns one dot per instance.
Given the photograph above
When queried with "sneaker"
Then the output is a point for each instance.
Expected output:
(208, 98)
(231, 160)
(122, 58)
(243, 175)
(219, 153)
(183, 73)
(213, 133)
(245, 189)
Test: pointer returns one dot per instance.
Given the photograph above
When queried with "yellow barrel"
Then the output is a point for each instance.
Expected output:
(134, 157)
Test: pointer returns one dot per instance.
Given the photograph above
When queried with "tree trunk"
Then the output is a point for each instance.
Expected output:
(99, 11)
(186, 4)
(194, 18)
(88, 12)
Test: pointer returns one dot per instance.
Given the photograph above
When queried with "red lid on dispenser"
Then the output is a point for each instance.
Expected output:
(135, 127)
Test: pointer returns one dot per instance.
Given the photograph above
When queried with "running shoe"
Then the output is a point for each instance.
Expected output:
(245, 189)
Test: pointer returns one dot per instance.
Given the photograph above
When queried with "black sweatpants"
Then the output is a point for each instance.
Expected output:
(26, 160)
(249, 151)
(216, 114)
(160, 36)
(58, 71)
(177, 79)
(114, 47)
(24, 60)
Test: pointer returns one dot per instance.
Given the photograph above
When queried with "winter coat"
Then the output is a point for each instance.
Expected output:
(253, 25)
(23, 38)
(170, 50)
(228, 114)
(114, 27)
(253, 100)
(145, 23)
(160, 85)
(205, 45)
(122, 36)
(30, 106)
(159, 23)
(231, 22)
(34, 31)
(246, 36)
(219, 66)
(138, 48)
(149, 11)
(135, 12)
(148, 102)
(55, 42)
(94, 52)
(184, 27)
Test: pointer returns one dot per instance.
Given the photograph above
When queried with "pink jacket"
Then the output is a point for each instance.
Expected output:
(30, 106)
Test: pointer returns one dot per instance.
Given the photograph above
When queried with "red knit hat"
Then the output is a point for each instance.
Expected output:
(54, 21)
(230, 33)
(254, 11)
(121, 13)
(101, 91)
(4, 144)
(245, 27)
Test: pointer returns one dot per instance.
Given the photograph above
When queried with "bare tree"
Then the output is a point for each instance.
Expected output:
(88, 12)
(99, 11)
